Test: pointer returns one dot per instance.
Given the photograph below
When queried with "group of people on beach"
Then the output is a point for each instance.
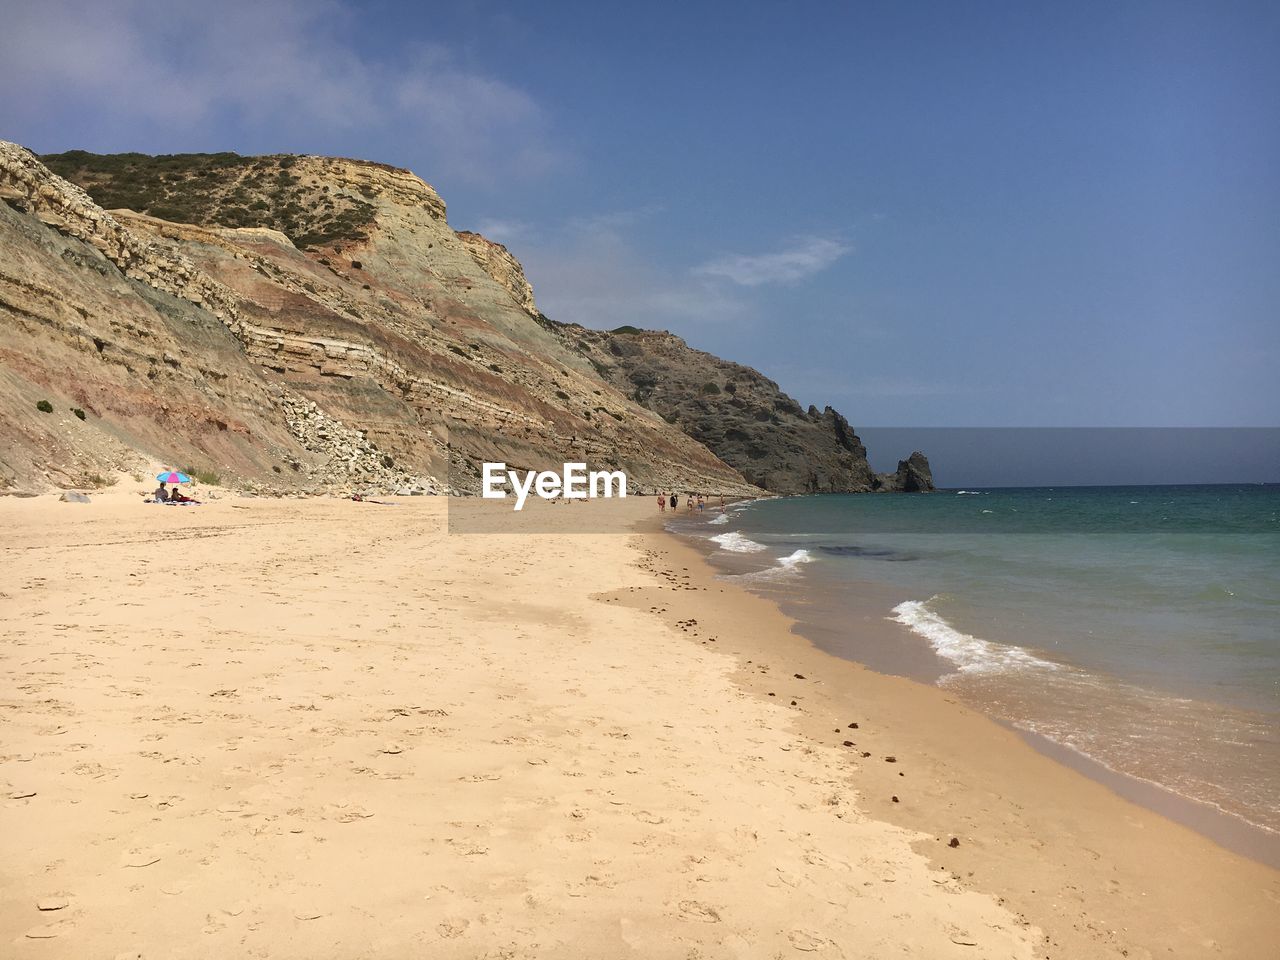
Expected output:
(164, 495)
(693, 501)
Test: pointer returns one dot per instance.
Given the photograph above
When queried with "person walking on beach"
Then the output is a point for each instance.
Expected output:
(702, 503)
(675, 501)
(662, 503)
(689, 503)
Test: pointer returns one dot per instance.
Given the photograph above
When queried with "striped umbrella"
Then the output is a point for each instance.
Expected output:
(173, 476)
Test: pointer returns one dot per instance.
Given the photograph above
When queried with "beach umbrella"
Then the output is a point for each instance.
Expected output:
(173, 476)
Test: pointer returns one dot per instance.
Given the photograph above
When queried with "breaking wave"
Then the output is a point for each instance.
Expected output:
(735, 542)
(970, 654)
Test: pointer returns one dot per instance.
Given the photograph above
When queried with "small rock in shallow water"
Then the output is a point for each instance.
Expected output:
(954, 842)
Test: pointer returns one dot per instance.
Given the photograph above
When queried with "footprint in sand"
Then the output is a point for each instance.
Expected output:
(351, 816)
(452, 929)
(694, 912)
(807, 940)
(50, 930)
(143, 859)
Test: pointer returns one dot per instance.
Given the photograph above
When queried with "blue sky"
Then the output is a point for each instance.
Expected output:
(924, 214)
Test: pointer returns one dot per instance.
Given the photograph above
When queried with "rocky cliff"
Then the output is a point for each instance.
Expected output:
(743, 417)
(293, 323)
(308, 323)
(497, 261)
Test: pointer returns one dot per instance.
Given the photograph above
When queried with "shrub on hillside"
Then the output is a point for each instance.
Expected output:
(204, 476)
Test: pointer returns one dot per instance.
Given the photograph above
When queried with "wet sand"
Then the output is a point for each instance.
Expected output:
(853, 626)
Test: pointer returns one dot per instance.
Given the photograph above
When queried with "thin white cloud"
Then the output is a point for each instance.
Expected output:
(795, 262)
(589, 271)
(286, 71)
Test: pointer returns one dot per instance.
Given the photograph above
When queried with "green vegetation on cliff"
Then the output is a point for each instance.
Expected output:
(219, 189)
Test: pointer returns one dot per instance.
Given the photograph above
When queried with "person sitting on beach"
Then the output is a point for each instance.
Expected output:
(161, 494)
(179, 497)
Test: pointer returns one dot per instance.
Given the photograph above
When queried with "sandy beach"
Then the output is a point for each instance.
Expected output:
(326, 729)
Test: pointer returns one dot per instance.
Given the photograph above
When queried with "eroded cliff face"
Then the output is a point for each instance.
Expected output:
(298, 348)
(315, 323)
(739, 414)
(497, 261)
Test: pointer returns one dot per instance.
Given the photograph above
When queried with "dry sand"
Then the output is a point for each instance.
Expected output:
(323, 729)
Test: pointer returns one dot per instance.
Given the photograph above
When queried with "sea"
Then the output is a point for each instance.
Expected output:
(1136, 627)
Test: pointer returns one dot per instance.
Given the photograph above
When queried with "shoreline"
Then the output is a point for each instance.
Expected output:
(1168, 889)
(912, 661)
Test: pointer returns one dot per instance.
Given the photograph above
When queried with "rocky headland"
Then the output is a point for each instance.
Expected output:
(741, 415)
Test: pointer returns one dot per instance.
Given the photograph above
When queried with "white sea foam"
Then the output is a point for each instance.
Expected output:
(786, 568)
(793, 560)
(719, 519)
(735, 542)
(970, 654)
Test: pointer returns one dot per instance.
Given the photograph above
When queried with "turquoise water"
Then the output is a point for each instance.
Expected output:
(1139, 626)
